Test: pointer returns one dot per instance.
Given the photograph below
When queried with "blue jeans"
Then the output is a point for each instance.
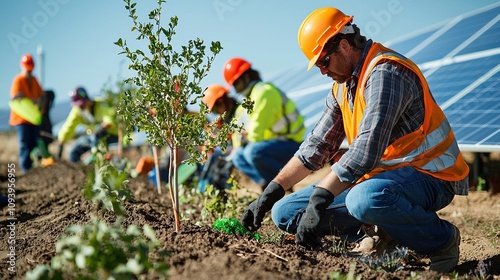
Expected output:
(261, 161)
(288, 211)
(402, 202)
(85, 142)
(27, 135)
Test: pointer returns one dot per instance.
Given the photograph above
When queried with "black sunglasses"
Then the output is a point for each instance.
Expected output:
(324, 62)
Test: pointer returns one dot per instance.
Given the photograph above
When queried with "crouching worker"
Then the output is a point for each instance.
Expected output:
(218, 169)
(403, 163)
(271, 133)
(96, 115)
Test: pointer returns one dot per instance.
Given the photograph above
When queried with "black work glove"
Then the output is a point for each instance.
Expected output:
(255, 212)
(308, 234)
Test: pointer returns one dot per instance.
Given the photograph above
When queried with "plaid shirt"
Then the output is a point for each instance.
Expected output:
(394, 108)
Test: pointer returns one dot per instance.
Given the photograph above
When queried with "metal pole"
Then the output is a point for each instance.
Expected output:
(41, 64)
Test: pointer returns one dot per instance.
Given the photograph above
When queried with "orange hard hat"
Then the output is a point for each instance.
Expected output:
(27, 62)
(212, 93)
(318, 27)
(234, 68)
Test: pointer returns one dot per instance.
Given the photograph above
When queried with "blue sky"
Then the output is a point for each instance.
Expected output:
(77, 36)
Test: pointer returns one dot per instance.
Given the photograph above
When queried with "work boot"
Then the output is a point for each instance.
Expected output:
(447, 258)
(374, 242)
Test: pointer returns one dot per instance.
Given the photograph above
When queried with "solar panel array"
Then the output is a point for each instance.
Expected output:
(461, 60)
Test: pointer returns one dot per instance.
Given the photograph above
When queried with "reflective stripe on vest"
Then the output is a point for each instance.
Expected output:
(338, 92)
(288, 118)
(432, 148)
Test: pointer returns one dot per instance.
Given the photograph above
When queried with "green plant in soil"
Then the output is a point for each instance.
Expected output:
(99, 251)
(114, 98)
(276, 237)
(339, 246)
(389, 261)
(167, 82)
(224, 203)
(481, 271)
(106, 185)
(233, 226)
(493, 233)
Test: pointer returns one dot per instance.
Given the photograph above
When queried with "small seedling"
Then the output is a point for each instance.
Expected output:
(233, 226)
(339, 246)
(99, 251)
(389, 261)
(274, 237)
(481, 271)
(106, 185)
(224, 203)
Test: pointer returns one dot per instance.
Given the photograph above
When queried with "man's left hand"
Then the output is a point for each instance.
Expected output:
(308, 233)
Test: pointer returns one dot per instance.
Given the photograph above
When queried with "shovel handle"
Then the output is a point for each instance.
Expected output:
(60, 150)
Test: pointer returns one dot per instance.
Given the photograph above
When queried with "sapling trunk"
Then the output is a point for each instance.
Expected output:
(120, 140)
(174, 184)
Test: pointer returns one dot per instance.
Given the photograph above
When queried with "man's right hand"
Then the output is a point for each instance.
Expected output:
(308, 233)
(255, 212)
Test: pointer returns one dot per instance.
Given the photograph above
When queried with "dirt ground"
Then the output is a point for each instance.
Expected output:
(49, 199)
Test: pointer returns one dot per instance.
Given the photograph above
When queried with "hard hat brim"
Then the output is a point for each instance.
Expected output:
(313, 61)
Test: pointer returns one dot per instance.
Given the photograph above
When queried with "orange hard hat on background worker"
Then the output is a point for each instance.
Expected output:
(27, 62)
(212, 93)
(318, 27)
(234, 68)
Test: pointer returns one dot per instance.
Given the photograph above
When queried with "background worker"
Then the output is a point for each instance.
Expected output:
(46, 103)
(42, 153)
(25, 85)
(98, 117)
(217, 169)
(273, 130)
(218, 101)
(403, 163)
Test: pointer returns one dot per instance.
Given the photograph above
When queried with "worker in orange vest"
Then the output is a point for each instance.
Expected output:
(403, 163)
(25, 86)
(217, 170)
(218, 101)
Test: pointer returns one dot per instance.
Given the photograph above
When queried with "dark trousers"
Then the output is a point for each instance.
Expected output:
(27, 135)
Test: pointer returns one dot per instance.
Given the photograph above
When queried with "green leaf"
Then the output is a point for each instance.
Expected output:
(133, 230)
(80, 261)
(134, 266)
(150, 233)
(87, 250)
(119, 42)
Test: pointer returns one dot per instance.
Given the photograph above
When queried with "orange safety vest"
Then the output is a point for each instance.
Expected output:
(31, 90)
(432, 149)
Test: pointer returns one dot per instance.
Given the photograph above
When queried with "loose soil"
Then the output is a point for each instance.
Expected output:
(50, 199)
